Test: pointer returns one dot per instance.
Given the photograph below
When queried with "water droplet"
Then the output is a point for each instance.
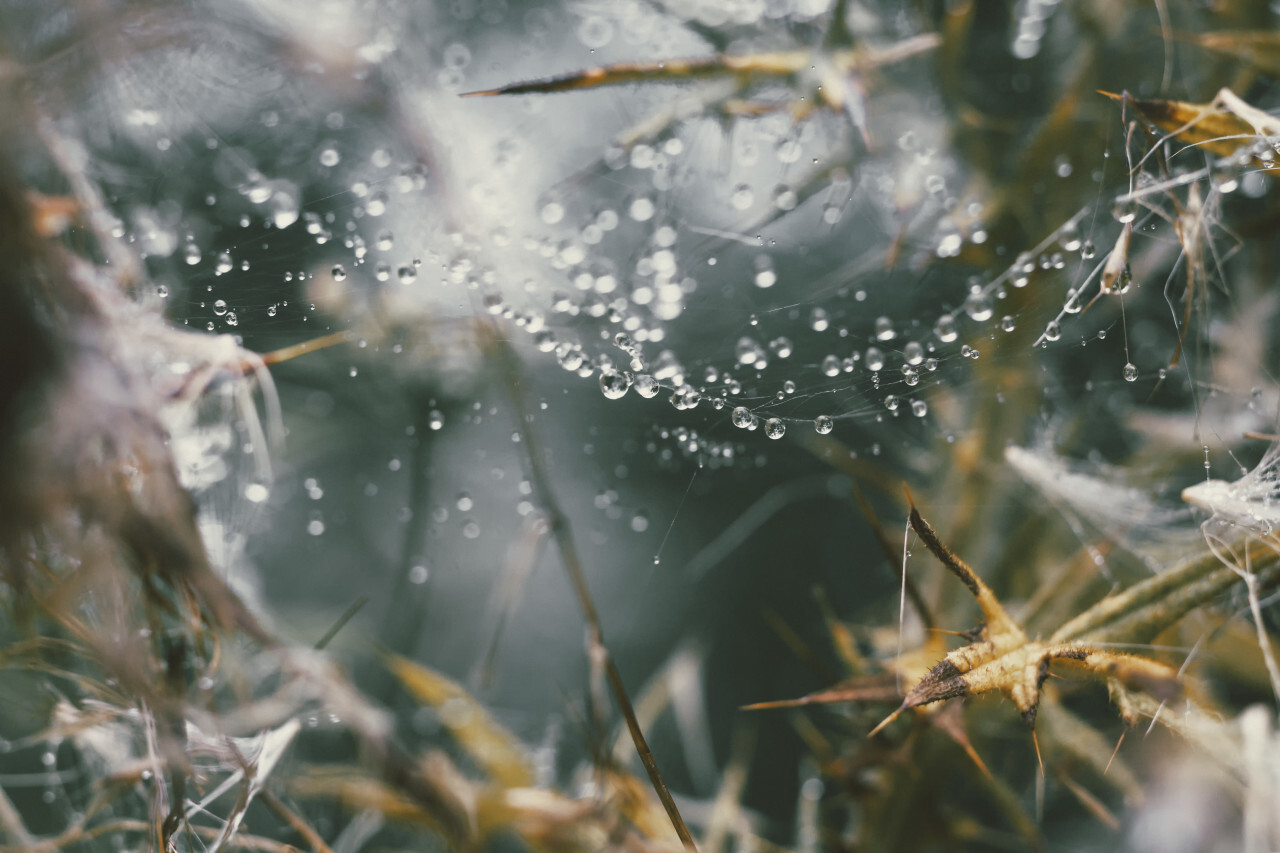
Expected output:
(640, 522)
(884, 329)
(818, 320)
(823, 424)
(339, 272)
(742, 417)
(919, 408)
(1007, 323)
(742, 197)
(552, 212)
(223, 264)
(614, 384)
(945, 329)
(913, 352)
(1130, 372)
(647, 386)
(1087, 249)
(831, 366)
(1053, 331)
(220, 307)
(875, 359)
(978, 305)
(407, 274)
(775, 428)
(192, 254)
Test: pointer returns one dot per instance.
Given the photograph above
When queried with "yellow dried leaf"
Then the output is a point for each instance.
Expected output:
(1223, 126)
(491, 746)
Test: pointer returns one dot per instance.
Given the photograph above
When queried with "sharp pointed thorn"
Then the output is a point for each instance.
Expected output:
(885, 722)
(480, 93)
(777, 703)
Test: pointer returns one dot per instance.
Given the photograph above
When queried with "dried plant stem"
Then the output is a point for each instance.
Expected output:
(563, 535)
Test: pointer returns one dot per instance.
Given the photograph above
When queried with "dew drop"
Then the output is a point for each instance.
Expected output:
(1130, 372)
(647, 386)
(823, 424)
(339, 272)
(945, 329)
(978, 306)
(775, 428)
(919, 408)
(742, 417)
(614, 384)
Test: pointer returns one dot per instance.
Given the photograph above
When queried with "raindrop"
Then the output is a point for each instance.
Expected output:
(945, 329)
(647, 386)
(978, 306)
(614, 384)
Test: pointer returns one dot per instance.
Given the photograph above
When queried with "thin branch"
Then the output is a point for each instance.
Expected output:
(559, 523)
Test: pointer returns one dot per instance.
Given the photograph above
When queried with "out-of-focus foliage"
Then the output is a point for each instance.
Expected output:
(338, 408)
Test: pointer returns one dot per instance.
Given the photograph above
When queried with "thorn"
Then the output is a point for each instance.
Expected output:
(777, 703)
(1154, 717)
(1114, 752)
(481, 93)
(1039, 779)
(886, 721)
(907, 489)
